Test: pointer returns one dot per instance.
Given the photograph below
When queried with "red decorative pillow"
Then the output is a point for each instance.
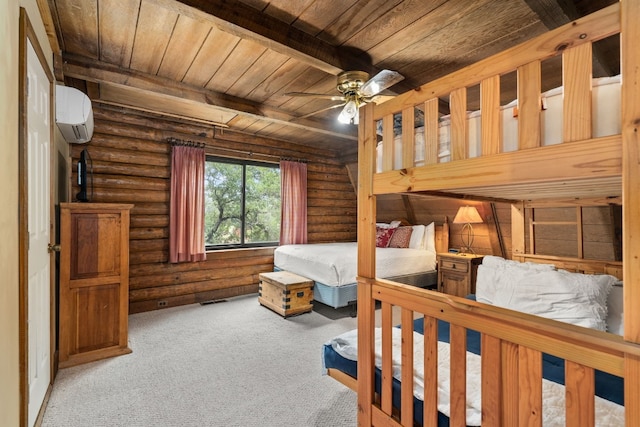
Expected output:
(401, 237)
(383, 235)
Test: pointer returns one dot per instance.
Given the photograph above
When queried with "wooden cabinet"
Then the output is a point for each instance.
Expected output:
(457, 273)
(94, 281)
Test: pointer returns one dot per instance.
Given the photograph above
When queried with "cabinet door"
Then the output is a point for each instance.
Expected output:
(95, 246)
(95, 318)
(94, 286)
(455, 284)
(91, 302)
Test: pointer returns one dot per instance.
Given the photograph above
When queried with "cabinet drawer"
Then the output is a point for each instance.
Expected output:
(460, 266)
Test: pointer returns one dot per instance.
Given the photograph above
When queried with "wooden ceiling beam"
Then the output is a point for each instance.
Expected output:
(248, 23)
(551, 13)
(175, 92)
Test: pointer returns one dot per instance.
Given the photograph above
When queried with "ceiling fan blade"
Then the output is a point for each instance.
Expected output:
(317, 95)
(320, 111)
(379, 82)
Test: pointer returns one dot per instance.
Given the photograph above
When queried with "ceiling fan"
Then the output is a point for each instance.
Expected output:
(356, 89)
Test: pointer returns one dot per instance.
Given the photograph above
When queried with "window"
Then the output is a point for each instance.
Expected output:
(242, 203)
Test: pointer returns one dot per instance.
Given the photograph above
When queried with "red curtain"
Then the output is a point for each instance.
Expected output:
(186, 216)
(293, 192)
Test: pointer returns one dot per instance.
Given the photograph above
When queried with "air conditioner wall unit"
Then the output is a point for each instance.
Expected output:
(74, 115)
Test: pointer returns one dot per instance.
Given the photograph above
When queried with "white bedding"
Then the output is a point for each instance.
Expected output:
(335, 264)
(607, 413)
(606, 121)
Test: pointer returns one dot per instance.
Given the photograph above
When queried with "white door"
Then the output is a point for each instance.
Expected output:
(39, 291)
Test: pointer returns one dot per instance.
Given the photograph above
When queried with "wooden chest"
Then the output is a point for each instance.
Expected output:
(285, 293)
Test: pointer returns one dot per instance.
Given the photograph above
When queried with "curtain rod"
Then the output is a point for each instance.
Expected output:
(293, 159)
(181, 142)
(176, 141)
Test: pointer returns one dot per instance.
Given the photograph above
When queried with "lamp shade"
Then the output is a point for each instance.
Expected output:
(467, 215)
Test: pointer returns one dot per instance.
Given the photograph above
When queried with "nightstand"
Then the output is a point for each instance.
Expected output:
(457, 273)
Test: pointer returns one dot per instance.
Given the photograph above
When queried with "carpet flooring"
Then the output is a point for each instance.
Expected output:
(232, 363)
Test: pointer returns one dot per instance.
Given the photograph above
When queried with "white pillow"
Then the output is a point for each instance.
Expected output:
(496, 271)
(498, 262)
(579, 299)
(486, 281)
(615, 310)
(417, 236)
(491, 261)
(429, 241)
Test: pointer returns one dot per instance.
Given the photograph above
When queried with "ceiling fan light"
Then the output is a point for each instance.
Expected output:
(349, 111)
(343, 118)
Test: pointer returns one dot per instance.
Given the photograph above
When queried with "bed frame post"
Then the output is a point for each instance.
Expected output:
(629, 36)
(366, 262)
(517, 230)
(630, 13)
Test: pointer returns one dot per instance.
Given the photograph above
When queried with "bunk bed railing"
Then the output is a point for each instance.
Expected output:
(574, 43)
(512, 347)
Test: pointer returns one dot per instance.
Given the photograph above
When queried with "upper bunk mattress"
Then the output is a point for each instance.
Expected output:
(336, 264)
(605, 107)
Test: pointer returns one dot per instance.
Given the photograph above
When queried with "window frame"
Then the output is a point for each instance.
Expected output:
(244, 163)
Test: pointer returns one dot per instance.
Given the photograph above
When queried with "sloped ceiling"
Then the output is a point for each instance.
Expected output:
(230, 63)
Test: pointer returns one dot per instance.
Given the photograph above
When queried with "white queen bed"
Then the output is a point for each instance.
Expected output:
(333, 266)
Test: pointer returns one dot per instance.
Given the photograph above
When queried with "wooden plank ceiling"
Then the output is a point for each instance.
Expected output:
(231, 62)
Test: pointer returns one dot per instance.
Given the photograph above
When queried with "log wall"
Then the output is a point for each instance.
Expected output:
(558, 232)
(590, 232)
(424, 210)
(131, 164)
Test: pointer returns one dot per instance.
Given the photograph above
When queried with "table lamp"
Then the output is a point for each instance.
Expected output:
(467, 215)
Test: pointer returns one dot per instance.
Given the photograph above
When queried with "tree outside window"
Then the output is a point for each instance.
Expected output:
(242, 203)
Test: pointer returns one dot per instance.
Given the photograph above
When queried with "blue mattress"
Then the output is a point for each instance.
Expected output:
(607, 386)
(333, 296)
(342, 296)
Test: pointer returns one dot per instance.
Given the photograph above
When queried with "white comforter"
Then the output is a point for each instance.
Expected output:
(336, 264)
(607, 413)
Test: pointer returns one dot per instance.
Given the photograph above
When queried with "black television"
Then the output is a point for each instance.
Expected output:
(82, 177)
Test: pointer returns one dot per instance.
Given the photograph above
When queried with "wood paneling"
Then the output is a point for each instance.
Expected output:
(559, 239)
(244, 56)
(435, 209)
(131, 164)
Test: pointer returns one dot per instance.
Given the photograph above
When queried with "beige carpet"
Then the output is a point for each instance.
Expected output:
(232, 363)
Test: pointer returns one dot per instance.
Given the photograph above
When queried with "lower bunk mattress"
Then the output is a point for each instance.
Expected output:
(340, 353)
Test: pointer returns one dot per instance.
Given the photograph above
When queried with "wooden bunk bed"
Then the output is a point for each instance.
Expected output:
(581, 170)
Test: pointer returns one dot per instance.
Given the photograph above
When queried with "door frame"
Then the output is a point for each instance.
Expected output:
(28, 35)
